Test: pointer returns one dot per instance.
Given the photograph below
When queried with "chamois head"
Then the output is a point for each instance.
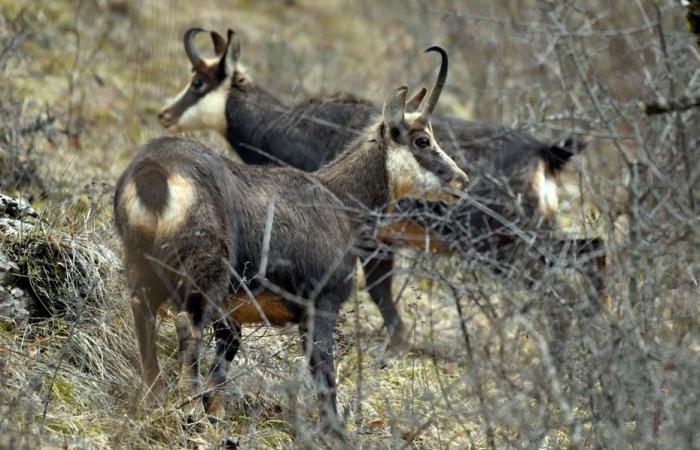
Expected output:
(416, 165)
(202, 104)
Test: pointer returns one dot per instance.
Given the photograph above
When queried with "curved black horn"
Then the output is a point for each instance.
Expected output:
(432, 100)
(197, 61)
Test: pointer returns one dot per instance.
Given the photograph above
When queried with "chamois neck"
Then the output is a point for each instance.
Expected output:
(305, 136)
(249, 114)
(358, 177)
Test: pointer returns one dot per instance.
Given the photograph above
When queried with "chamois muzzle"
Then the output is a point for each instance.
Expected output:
(166, 118)
(460, 182)
(429, 105)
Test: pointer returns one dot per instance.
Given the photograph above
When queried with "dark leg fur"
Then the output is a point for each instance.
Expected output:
(589, 257)
(228, 341)
(378, 276)
(144, 312)
(189, 340)
(318, 344)
(190, 323)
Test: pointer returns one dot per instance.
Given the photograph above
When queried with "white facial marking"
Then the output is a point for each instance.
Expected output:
(209, 113)
(546, 190)
(211, 62)
(410, 117)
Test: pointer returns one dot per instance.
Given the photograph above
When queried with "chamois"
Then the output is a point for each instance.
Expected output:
(261, 129)
(228, 244)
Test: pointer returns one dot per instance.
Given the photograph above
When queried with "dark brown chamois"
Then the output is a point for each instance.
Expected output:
(228, 244)
(221, 96)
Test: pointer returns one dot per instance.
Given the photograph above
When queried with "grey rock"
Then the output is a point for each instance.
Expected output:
(16, 208)
(15, 304)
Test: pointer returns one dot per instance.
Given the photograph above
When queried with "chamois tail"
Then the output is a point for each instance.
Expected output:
(556, 157)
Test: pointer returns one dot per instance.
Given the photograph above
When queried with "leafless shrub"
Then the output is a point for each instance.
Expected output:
(545, 373)
(18, 132)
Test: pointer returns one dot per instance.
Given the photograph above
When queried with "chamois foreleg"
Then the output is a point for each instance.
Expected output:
(318, 345)
(378, 275)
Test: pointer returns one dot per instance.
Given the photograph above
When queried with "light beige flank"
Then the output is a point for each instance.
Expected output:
(181, 196)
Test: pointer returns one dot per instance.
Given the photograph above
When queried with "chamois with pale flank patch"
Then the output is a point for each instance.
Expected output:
(228, 244)
(222, 96)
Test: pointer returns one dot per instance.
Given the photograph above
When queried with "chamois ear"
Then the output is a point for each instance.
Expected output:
(394, 107)
(233, 51)
(416, 99)
(219, 43)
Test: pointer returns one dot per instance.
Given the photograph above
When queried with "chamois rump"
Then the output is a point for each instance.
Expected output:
(511, 165)
(228, 244)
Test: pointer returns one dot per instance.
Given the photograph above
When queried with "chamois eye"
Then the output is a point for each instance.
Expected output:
(422, 142)
(198, 84)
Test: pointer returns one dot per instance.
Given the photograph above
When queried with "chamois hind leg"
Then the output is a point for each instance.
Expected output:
(594, 268)
(378, 276)
(189, 324)
(144, 308)
(228, 341)
(318, 344)
(589, 256)
(586, 256)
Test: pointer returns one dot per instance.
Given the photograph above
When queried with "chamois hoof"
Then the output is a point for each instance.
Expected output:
(193, 413)
(397, 344)
(333, 427)
(193, 424)
(214, 408)
(215, 421)
(229, 444)
(155, 394)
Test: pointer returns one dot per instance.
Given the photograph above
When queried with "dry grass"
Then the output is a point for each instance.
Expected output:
(87, 77)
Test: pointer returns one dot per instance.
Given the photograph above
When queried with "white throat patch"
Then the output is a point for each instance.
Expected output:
(407, 177)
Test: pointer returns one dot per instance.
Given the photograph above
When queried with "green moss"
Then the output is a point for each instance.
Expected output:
(62, 391)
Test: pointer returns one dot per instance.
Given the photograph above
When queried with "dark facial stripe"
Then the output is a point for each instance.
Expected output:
(431, 160)
(186, 101)
(213, 77)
